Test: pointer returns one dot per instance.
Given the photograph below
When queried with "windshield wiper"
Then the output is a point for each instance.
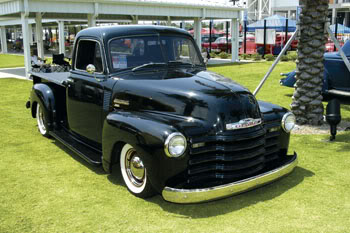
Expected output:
(180, 63)
(149, 65)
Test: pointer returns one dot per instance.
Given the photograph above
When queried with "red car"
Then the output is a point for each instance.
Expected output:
(219, 45)
(330, 45)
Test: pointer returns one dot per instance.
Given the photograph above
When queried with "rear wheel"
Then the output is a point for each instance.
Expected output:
(40, 117)
(134, 173)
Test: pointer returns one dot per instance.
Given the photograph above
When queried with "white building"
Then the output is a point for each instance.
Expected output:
(22, 12)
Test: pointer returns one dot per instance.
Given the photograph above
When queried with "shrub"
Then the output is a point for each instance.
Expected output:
(223, 55)
(284, 58)
(245, 56)
(212, 55)
(256, 57)
(292, 55)
(269, 57)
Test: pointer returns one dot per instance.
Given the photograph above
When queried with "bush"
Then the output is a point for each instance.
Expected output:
(223, 55)
(292, 55)
(256, 57)
(284, 58)
(245, 56)
(212, 55)
(269, 57)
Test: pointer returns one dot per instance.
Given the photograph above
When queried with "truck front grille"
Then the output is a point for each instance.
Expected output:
(224, 159)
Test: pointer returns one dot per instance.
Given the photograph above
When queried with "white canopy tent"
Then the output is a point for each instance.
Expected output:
(104, 10)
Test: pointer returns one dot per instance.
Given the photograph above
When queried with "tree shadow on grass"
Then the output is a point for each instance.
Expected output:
(237, 202)
(97, 169)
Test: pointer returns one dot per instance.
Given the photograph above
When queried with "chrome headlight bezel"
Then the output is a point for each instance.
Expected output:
(287, 116)
(168, 142)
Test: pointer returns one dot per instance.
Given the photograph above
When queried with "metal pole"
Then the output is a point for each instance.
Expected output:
(286, 39)
(210, 26)
(336, 31)
(227, 26)
(276, 62)
(264, 38)
(341, 52)
(245, 36)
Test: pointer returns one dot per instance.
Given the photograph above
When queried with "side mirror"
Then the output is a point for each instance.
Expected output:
(206, 56)
(91, 69)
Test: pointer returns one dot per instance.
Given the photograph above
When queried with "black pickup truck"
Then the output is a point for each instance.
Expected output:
(140, 98)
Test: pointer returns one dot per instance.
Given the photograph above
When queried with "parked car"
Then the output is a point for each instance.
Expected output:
(336, 82)
(250, 45)
(330, 45)
(139, 99)
(220, 45)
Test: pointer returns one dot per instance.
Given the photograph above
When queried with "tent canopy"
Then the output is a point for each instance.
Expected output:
(276, 22)
(341, 28)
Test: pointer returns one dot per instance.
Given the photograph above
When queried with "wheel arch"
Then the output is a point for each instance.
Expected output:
(44, 94)
(146, 135)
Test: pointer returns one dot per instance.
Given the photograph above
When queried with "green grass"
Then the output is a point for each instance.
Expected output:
(44, 187)
(9, 61)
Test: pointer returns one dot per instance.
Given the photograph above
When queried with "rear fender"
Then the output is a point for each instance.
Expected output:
(43, 94)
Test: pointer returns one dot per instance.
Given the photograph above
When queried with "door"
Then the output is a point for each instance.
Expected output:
(85, 92)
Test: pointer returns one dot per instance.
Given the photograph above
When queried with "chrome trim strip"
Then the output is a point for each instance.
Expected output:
(187, 196)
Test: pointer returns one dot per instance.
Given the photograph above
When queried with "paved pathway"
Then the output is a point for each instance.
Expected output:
(18, 72)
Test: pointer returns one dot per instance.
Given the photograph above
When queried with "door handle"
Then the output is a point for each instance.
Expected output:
(68, 82)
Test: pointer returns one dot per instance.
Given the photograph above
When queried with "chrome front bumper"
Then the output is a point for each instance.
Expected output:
(186, 196)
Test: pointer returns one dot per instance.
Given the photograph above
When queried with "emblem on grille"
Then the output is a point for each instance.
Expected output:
(245, 123)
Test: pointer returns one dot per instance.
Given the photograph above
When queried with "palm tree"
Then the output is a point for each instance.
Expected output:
(307, 98)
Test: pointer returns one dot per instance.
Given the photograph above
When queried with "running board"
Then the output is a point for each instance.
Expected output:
(82, 150)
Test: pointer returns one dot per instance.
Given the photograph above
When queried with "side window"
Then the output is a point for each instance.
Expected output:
(89, 52)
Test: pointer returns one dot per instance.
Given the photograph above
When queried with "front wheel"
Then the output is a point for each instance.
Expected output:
(40, 117)
(134, 173)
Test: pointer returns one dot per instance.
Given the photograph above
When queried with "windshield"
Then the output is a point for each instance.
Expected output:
(135, 51)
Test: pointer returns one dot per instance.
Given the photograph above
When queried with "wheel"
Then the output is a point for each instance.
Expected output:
(40, 117)
(134, 173)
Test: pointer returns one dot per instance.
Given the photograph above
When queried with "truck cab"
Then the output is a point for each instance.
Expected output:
(139, 99)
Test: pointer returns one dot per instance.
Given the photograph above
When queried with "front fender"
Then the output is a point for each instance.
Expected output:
(147, 136)
(43, 94)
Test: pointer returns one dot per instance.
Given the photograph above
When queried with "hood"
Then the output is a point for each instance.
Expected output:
(203, 97)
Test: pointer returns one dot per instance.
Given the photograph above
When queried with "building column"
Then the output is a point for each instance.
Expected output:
(39, 35)
(135, 19)
(3, 39)
(169, 21)
(30, 30)
(234, 40)
(334, 15)
(26, 46)
(61, 38)
(197, 28)
(91, 20)
(260, 9)
(289, 14)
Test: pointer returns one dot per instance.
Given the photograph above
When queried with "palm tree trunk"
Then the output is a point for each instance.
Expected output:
(307, 97)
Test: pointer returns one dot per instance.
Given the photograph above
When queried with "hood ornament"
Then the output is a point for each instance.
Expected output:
(243, 124)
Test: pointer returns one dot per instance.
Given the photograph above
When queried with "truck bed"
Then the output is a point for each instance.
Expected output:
(55, 77)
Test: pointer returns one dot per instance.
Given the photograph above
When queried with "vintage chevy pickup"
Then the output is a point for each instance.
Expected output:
(140, 98)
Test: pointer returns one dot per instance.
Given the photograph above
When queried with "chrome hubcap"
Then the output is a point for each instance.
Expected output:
(40, 116)
(134, 168)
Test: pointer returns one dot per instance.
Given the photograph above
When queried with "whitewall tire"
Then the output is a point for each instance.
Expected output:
(134, 172)
(40, 118)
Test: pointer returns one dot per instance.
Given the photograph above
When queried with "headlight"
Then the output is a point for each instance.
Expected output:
(288, 122)
(175, 145)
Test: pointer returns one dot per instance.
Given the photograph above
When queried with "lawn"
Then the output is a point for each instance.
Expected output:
(9, 61)
(46, 188)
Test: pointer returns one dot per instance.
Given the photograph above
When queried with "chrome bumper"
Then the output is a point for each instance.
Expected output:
(186, 196)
